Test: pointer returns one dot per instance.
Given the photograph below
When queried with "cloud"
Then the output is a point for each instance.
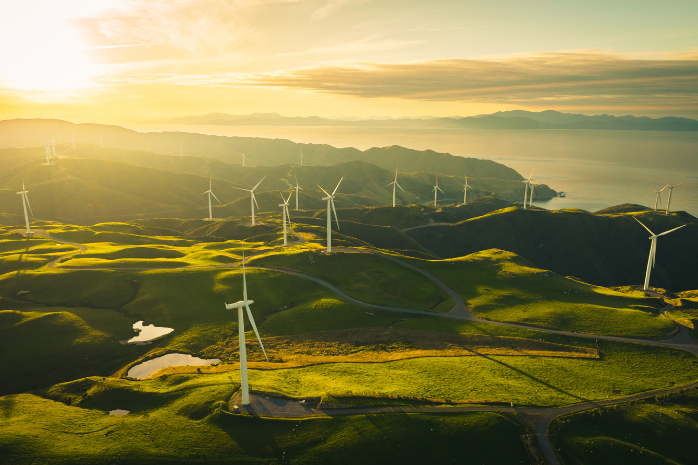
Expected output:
(545, 78)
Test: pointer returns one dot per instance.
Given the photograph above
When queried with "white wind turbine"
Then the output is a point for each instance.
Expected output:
(48, 154)
(465, 190)
(297, 187)
(394, 183)
(653, 251)
(253, 200)
(658, 197)
(435, 189)
(284, 213)
(244, 303)
(330, 202)
(210, 193)
(528, 182)
(25, 203)
(671, 189)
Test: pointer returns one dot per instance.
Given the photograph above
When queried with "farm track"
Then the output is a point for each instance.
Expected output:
(681, 340)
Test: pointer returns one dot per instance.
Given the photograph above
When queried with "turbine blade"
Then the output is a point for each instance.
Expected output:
(288, 199)
(680, 183)
(395, 174)
(244, 280)
(26, 197)
(288, 215)
(210, 181)
(648, 229)
(282, 197)
(323, 190)
(240, 189)
(335, 213)
(439, 189)
(254, 326)
(335, 189)
(662, 234)
(260, 182)
(255, 199)
(214, 196)
(398, 185)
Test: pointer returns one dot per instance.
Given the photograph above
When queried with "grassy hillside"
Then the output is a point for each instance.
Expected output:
(502, 286)
(21, 133)
(600, 249)
(654, 431)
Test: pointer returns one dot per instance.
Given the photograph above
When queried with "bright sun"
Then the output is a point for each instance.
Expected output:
(41, 51)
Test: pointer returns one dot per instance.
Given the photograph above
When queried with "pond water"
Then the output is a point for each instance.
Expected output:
(145, 369)
(148, 333)
(119, 412)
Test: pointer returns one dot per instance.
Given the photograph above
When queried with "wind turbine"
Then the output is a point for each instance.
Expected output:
(465, 190)
(435, 188)
(297, 187)
(284, 213)
(244, 303)
(671, 189)
(653, 251)
(25, 203)
(253, 201)
(48, 154)
(53, 148)
(658, 198)
(330, 201)
(394, 183)
(210, 193)
(528, 182)
(530, 197)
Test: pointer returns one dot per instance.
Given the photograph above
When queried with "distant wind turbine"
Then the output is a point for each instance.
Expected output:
(297, 187)
(244, 303)
(210, 193)
(465, 190)
(48, 154)
(528, 182)
(394, 184)
(653, 251)
(284, 213)
(658, 197)
(435, 189)
(53, 148)
(253, 200)
(25, 203)
(330, 202)
(671, 190)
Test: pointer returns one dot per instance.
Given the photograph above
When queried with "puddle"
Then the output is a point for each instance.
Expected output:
(145, 369)
(119, 412)
(147, 333)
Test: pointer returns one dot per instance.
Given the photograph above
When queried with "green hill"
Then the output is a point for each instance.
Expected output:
(609, 250)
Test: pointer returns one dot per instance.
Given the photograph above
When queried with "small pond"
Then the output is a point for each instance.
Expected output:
(148, 333)
(145, 369)
(119, 412)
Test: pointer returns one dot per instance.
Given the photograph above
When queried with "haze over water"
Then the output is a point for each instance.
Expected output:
(595, 169)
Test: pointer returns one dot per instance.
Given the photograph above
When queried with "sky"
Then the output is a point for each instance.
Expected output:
(130, 61)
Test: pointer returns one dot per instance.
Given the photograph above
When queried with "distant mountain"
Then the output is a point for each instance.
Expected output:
(269, 152)
(515, 119)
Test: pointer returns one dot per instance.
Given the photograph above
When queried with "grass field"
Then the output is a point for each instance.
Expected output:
(654, 431)
(181, 418)
(365, 277)
(502, 286)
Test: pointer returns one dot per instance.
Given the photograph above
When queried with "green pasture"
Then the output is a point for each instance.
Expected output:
(501, 286)
(659, 430)
(365, 277)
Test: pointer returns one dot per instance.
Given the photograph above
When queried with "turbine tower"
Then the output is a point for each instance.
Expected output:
(653, 251)
(297, 187)
(465, 190)
(53, 148)
(210, 193)
(435, 188)
(528, 182)
(284, 213)
(671, 189)
(48, 154)
(244, 303)
(330, 202)
(658, 197)
(25, 203)
(253, 200)
(394, 183)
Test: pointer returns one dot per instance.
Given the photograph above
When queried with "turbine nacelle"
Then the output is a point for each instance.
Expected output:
(241, 304)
